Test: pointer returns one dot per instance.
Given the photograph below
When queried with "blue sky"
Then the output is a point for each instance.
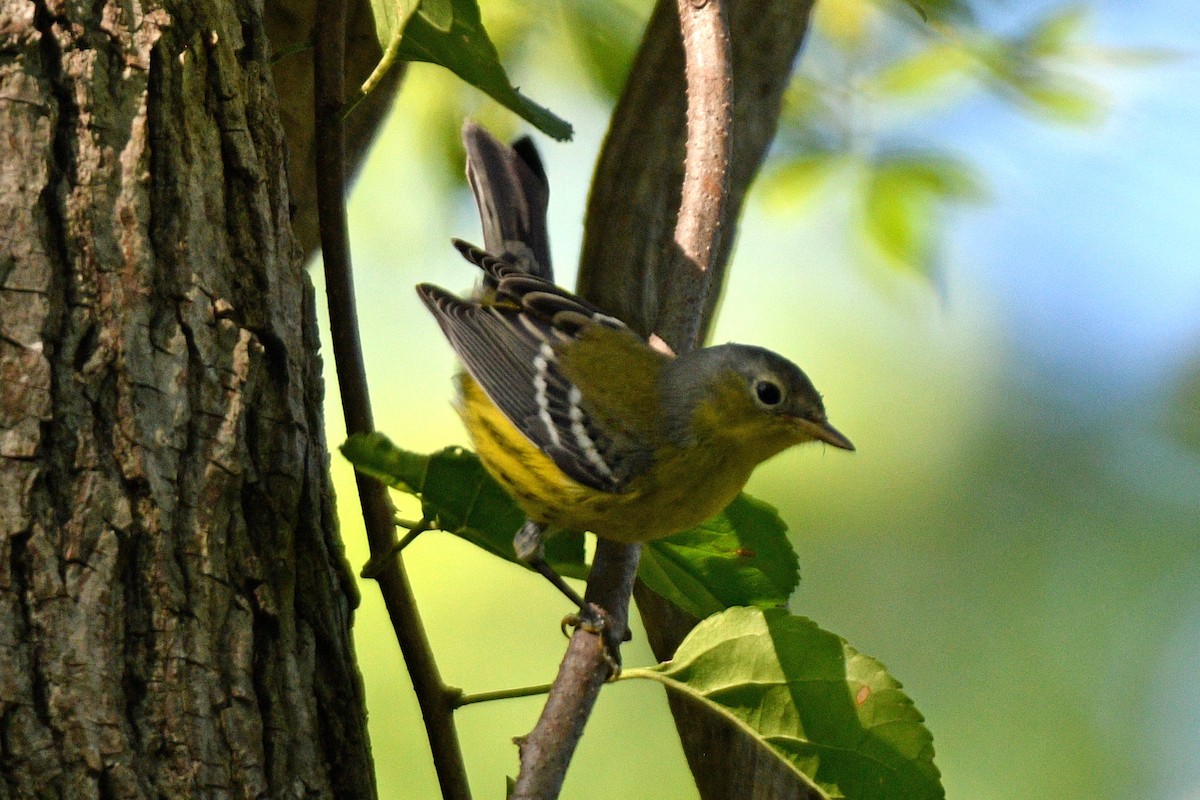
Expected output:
(1094, 240)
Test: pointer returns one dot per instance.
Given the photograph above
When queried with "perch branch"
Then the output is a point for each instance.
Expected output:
(547, 750)
(704, 26)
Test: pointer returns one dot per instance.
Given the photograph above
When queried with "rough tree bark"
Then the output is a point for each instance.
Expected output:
(174, 603)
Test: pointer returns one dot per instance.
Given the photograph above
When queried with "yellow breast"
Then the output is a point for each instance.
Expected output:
(682, 489)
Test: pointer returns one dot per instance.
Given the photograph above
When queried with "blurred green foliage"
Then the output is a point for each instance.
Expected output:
(868, 66)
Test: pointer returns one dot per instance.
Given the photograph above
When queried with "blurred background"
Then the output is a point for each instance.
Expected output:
(979, 236)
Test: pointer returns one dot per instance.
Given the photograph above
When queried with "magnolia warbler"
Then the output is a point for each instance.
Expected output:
(589, 427)
(586, 424)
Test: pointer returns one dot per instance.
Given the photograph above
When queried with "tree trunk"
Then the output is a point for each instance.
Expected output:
(174, 602)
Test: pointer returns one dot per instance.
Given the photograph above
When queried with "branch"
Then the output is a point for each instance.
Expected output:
(630, 266)
(435, 700)
(289, 26)
(705, 28)
(547, 750)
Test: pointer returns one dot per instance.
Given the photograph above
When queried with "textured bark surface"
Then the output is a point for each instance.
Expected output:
(174, 603)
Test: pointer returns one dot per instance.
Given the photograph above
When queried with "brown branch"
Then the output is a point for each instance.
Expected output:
(704, 25)
(434, 698)
(546, 751)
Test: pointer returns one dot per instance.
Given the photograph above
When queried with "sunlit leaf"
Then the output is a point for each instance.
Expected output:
(464, 48)
(923, 71)
(794, 180)
(740, 557)
(458, 495)
(903, 194)
(1053, 33)
(939, 174)
(898, 217)
(833, 715)
(1069, 102)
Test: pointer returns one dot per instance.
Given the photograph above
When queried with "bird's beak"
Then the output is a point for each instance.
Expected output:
(824, 432)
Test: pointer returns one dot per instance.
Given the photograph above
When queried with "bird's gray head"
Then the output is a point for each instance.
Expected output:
(747, 382)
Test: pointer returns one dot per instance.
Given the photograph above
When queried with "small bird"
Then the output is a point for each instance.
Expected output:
(590, 427)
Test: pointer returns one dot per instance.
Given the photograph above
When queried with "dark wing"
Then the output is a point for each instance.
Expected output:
(508, 347)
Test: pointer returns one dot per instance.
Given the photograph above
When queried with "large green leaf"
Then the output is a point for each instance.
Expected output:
(741, 557)
(835, 716)
(459, 496)
(450, 33)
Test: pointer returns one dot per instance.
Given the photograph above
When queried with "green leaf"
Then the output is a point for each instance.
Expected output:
(467, 51)
(835, 716)
(938, 174)
(923, 71)
(390, 18)
(459, 496)
(741, 557)
(1071, 102)
(902, 196)
(798, 178)
(1053, 33)
(899, 218)
(941, 11)
(438, 13)
(450, 33)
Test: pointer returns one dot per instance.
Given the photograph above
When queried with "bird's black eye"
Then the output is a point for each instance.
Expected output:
(769, 393)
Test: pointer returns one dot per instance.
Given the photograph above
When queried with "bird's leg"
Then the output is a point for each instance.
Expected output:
(529, 544)
(531, 549)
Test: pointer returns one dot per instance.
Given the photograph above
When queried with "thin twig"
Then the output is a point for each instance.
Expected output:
(502, 694)
(434, 698)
